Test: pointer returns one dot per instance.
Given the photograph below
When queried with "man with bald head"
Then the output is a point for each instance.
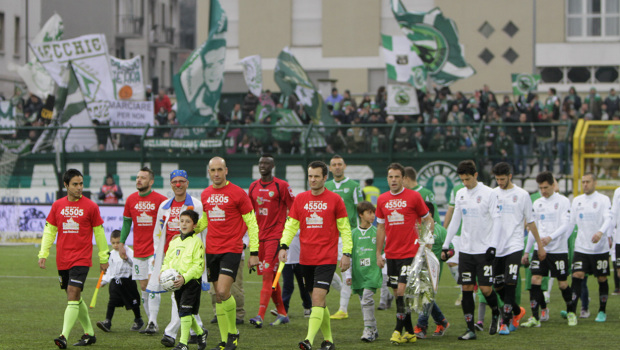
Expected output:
(228, 213)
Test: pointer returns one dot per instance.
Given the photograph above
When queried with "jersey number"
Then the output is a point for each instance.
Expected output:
(601, 265)
(365, 262)
(487, 270)
(559, 264)
(512, 269)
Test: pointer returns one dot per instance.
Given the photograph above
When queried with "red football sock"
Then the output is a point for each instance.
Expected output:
(276, 296)
(265, 292)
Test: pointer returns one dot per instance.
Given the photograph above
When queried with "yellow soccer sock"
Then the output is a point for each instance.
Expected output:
(71, 315)
(195, 326)
(84, 318)
(230, 308)
(222, 322)
(186, 324)
(326, 327)
(315, 322)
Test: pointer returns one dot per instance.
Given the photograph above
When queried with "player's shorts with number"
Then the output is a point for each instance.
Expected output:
(556, 264)
(506, 268)
(398, 270)
(142, 268)
(591, 264)
(474, 267)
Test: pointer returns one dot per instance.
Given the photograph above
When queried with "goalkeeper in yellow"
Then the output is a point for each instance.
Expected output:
(186, 255)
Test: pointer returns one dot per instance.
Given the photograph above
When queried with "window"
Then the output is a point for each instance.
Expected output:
(17, 39)
(580, 75)
(593, 19)
(1, 31)
(307, 23)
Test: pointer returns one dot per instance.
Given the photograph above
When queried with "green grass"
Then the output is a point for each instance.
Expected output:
(32, 308)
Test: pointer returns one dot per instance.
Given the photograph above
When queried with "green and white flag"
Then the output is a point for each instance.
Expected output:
(522, 84)
(402, 62)
(198, 85)
(253, 74)
(128, 78)
(435, 39)
(402, 100)
(38, 81)
(292, 78)
(7, 119)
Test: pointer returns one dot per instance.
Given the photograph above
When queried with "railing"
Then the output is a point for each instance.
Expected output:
(162, 35)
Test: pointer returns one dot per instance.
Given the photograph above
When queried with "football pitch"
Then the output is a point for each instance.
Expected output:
(32, 309)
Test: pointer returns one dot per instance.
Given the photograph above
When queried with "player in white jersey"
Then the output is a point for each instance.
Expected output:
(477, 208)
(515, 209)
(615, 210)
(552, 215)
(591, 212)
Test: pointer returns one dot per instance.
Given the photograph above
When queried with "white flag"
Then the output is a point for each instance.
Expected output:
(38, 81)
(399, 58)
(253, 74)
(128, 78)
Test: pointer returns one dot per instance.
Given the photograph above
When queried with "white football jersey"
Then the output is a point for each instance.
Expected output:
(476, 209)
(615, 211)
(591, 214)
(515, 208)
(550, 215)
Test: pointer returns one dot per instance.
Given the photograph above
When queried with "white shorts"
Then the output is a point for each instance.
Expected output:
(142, 268)
(455, 258)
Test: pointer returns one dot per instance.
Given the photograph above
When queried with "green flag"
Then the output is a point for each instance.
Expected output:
(292, 78)
(198, 85)
(435, 39)
(402, 62)
(522, 84)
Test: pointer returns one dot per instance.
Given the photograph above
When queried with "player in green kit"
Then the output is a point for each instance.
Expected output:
(366, 275)
(410, 181)
(350, 192)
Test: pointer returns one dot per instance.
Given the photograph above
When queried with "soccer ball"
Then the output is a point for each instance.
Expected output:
(167, 278)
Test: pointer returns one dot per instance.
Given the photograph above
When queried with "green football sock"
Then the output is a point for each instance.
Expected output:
(186, 324)
(230, 308)
(71, 315)
(84, 318)
(195, 326)
(326, 327)
(315, 322)
(222, 322)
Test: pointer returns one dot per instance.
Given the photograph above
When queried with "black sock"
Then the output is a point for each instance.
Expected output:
(616, 278)
(110, 313)
(469, 307)
(136, 311)
(543, 302)
(567, 295)
(492, 302)
(535, 294)
(407, 323)
(501, 292)
(400, 313)
(603, 292)
(509, 299)
(576, 293)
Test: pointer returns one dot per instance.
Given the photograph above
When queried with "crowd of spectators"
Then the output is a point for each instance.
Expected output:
(448, 122)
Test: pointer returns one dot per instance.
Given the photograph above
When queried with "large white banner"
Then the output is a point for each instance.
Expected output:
(131, 113)
(402, 99)
(253, 74)
(128, 78)
(25, 223)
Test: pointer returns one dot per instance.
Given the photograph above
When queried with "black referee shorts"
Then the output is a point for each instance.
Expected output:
(317, 276)
(188, 298)
(225, 264)
(75, 276)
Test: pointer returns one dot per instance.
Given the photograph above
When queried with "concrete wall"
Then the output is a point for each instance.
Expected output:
(351, 29)
(265, 27)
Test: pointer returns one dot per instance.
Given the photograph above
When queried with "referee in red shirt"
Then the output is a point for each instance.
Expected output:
(74, 218)
(320, 215)
(271, 198)
(228, 213)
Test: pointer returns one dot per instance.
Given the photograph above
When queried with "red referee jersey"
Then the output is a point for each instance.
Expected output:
(75, 222)
(225, 207)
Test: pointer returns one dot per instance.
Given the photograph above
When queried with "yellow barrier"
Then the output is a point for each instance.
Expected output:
(596, 149)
